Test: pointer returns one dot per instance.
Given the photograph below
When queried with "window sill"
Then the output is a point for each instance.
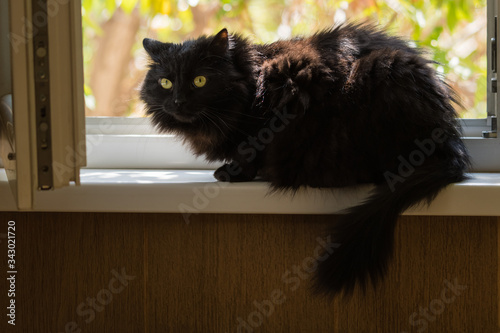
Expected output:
(195, 191)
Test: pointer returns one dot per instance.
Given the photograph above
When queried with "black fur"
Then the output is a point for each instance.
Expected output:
(345, 106)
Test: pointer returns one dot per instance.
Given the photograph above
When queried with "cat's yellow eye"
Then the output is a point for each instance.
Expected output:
(166, 83)
(200, 81)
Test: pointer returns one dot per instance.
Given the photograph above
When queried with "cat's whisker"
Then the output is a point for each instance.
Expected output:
(224, 122)
(230, 126)
(234, 98)
(234, 120)
(230, 112)
(204, 123)
(155, 109)
(206, 116)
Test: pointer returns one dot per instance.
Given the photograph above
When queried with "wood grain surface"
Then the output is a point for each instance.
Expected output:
(85, 272)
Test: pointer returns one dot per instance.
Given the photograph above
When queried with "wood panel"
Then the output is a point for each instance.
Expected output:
(442, 279)
(229, 262)
(234, 272)
(66, 263)
(223, 272)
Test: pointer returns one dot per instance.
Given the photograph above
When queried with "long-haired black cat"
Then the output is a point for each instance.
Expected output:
(345, 106)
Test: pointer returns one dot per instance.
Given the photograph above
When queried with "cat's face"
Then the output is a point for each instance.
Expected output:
(189, 84)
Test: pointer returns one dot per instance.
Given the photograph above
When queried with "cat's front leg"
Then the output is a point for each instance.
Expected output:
(236, 172)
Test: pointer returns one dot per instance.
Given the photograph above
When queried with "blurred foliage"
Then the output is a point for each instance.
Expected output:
(454, 31)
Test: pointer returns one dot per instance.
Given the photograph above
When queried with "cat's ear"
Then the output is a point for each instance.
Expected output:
(220, 43)
(153, 47)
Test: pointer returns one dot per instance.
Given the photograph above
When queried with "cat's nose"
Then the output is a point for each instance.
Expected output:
(180, 101)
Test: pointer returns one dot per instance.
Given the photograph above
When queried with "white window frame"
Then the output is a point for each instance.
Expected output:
(43, 147)
(130, 143)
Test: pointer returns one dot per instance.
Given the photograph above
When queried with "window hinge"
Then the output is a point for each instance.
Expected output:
(494, 61)
(42, 98)
(493, 132)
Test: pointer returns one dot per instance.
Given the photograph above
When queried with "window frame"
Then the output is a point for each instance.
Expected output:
(160, 151)
(485, 152)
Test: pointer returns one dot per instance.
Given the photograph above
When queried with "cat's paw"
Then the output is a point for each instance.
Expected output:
(234, 172)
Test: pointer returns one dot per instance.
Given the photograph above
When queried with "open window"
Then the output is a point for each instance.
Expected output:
(481, 134)
(467, 53)
(42, 106)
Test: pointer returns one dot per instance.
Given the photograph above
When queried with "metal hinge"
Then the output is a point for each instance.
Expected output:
(494, 63)
(493, 132)
(42, 98)
(492, 119)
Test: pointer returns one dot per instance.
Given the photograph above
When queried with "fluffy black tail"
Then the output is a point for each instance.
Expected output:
(366, 232)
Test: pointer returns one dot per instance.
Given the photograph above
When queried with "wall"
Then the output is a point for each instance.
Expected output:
(155, 273)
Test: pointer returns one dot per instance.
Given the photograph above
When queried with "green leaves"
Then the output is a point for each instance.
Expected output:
(441, 26)
(110, 6)
(87, 5)
(128, 5)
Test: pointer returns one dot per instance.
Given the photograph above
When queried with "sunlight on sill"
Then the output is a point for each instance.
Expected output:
(131, 176)
(483, 179)
(89, 176)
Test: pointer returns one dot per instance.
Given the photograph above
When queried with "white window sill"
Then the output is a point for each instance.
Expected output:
(179, 191)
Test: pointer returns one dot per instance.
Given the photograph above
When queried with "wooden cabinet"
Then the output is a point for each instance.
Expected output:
(100, 272)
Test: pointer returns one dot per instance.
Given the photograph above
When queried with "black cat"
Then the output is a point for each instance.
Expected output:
(345, 106)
